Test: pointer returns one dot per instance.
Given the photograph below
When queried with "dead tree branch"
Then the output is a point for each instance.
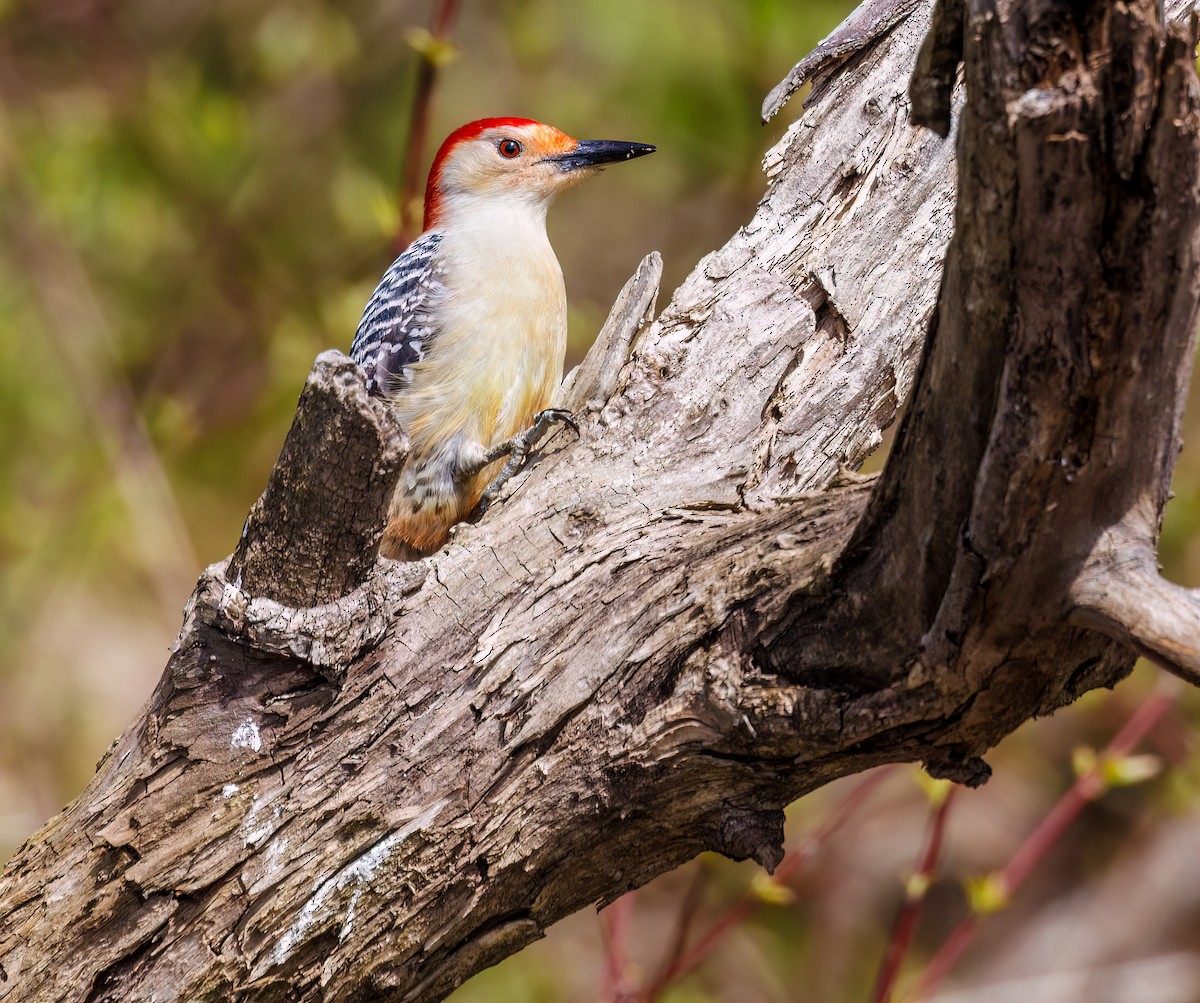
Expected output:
(359, 779)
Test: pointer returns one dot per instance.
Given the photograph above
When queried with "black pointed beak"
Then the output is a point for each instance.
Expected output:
(597, 153)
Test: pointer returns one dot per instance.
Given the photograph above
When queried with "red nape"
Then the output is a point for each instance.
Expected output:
(462, 134)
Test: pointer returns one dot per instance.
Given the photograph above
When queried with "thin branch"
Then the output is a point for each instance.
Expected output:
(1120, 593)
(683, 924)
(914, 897)
(614, 930)
(750, 902)
(1090, 785)
(444, 14)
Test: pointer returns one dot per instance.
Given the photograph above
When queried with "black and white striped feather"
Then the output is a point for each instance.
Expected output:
(398, 323)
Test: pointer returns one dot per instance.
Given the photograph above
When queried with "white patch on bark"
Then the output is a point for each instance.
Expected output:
(229, 790)
(348, 924)
(255, 834)
(321, 908)
(275, 856)
(246, 736)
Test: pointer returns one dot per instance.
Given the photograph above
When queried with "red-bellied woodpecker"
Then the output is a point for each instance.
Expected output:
(466, 333)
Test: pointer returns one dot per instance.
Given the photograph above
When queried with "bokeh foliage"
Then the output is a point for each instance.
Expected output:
(197, 197)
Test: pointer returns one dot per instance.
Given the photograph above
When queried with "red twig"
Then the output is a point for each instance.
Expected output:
(614, 928)
(444, 14)
(687, 913)
(1086, 788)
(906, 919)
(750, 902)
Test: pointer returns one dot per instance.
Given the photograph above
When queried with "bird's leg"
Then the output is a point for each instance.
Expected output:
(516, 449)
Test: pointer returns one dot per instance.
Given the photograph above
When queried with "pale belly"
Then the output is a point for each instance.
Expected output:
(494, 362)
(486, 386)
(475, 389)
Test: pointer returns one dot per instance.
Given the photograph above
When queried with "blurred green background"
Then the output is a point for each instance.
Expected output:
(198, 196)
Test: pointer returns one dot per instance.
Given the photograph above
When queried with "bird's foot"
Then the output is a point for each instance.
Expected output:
(517, 449)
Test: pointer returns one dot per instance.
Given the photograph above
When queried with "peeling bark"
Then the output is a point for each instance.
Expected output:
(361, 779)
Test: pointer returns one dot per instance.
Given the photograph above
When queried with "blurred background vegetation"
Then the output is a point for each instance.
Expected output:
(198, 196)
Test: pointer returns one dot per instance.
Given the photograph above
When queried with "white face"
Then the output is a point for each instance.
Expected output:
(512, 162)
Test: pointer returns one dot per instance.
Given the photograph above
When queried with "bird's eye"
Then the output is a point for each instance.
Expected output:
(510, 148)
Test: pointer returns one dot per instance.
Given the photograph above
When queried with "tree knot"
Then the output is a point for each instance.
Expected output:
(751, 833)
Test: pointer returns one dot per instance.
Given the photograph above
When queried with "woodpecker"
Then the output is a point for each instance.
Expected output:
(466, 333)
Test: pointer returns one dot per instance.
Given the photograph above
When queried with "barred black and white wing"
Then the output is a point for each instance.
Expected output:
(398, 324)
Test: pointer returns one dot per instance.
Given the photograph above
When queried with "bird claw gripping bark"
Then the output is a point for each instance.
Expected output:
(517, 449)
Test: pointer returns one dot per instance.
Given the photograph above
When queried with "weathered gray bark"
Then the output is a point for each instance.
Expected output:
(672, 628)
